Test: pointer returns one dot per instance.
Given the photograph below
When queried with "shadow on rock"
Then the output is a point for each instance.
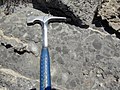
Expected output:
(57, 8)
(99, 22)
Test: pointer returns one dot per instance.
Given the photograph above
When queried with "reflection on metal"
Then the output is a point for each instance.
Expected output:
(45, 76)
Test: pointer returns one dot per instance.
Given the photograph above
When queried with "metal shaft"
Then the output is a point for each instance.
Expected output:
(45, 38)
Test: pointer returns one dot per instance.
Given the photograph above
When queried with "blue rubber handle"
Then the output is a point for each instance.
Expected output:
(45, 77)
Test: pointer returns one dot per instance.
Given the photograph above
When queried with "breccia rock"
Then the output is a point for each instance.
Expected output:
(86, 59)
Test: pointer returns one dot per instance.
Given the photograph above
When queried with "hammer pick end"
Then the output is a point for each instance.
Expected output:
(30, 19)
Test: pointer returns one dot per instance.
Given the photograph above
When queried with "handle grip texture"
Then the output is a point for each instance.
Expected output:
(45, 77)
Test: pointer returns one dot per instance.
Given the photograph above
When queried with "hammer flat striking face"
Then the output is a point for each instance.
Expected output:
(44, 21)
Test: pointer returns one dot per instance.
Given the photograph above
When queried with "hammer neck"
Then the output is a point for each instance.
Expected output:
(45, 38)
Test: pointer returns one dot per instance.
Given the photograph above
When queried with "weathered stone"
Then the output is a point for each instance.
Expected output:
(13, 80)
(72, 84)
(79, 59)
(110, 11)
(81, 12)
(97, 44)
(99, 57)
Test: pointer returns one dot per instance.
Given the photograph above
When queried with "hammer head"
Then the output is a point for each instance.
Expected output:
(43, 19)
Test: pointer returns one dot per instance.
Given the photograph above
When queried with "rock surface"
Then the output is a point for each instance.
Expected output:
(69, 8)
(110, 10)
(81, 59)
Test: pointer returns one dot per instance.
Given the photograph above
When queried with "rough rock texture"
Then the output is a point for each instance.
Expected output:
(81, 59)
(83, 15)
(110, 10)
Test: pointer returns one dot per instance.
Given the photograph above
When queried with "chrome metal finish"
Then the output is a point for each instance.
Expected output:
(44, 20)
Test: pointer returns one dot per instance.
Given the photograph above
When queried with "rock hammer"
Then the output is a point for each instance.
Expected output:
(45, 76)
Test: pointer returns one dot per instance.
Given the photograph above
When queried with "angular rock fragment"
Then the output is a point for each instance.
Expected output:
(110, 10)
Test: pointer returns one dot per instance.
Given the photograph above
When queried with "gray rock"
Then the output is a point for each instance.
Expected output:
(97, 44)
(12, 80)
(110, 11)
(72, 84)
(80, 60)
(81, 12)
